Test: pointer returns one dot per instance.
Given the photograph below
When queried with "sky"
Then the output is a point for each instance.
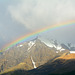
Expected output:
(20, 17)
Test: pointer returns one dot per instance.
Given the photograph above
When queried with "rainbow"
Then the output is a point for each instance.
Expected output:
(25, 37)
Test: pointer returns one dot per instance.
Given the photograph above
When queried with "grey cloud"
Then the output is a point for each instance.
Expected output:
(19, 17)
(35, 14)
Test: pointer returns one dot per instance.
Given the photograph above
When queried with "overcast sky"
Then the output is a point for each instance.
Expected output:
(19, 17)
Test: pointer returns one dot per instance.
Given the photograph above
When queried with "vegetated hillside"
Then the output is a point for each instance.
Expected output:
(69, 63)
(63, 65)
(22, 67)
(60, 65)
(33, 53)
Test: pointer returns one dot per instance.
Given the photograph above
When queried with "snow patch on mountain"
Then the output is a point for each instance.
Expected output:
(62, 49)
(20, 46)
(57, 52)
(54, 46)
(72, 51)
(50, 45)
(58, 47)
(33, 62)
(30, 44)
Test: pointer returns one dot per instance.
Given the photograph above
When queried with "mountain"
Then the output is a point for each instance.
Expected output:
(63, 65)
(68, 62)
(59, 66)
(55, 43)
(33, 53)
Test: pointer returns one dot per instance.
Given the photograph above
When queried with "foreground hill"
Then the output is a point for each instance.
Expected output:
(60, 65)
(68, 62)
(63, 65)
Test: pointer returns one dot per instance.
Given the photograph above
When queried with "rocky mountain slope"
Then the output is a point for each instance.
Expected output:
(33, 53)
